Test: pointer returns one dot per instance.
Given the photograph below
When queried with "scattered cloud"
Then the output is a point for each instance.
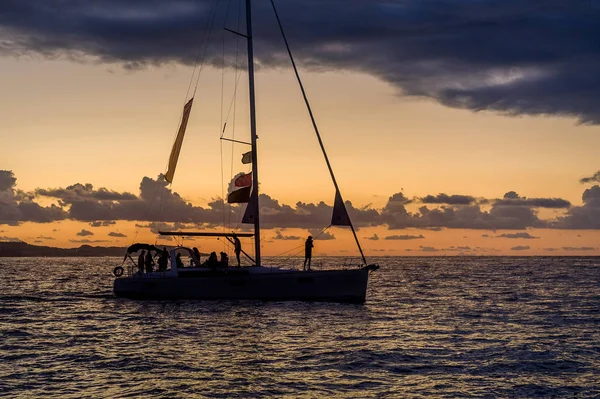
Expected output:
(517, 235)
(404, 237)
(321, 235)
(279, 236)
(595, 178)
(579, 248)
(45, 238)
(116, 234)
(428, 249)
(448, 199)
(511, 198)
(101, 223)
(374, 237)
(520, 248)
(84, 233)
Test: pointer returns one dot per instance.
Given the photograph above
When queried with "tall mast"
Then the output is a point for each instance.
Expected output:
(254, 200)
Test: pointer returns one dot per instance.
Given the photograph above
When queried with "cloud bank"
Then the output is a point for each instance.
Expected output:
(513, 57)
(158, 207)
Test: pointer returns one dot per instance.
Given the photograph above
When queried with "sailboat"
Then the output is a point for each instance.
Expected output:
(259, 282)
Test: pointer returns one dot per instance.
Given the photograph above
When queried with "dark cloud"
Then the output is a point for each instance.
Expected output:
(84, 233)
(595, 178)
(101, 223)
(116, 234)
(500, 216)
(517, 235)
(16, 206)
(428, 249)
(520, 248)
(551, 249)
(511, 57)
(156, 201)
(279, 236)
(586, 216)
(511, 198)
(404, 237)
(448, 199)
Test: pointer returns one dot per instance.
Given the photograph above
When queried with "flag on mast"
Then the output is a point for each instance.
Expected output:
(178, 141)
(340, 215)
(244, 180)
(247, 157)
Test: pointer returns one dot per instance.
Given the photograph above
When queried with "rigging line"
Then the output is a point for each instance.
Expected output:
(223, 61)
(314, 123)
(206, 25)
(206, 45)
(221, 121)
(300, 246)
(208, 28)
(237, 81)
(237, 75)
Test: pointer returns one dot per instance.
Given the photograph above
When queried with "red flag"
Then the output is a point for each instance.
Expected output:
(244, 180)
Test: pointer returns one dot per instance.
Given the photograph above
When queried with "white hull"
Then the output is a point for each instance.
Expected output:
(279, 285)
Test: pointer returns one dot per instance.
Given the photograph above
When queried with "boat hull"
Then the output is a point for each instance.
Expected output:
(326, 286)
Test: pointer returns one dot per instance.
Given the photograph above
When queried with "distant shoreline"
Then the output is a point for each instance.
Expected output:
(21, 249)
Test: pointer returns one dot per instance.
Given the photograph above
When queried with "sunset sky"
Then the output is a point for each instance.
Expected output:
(453, 127)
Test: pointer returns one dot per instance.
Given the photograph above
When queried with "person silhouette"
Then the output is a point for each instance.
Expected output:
(308, 246)
(197, 255)
(237, 248)
(149, 262)
(141, 262)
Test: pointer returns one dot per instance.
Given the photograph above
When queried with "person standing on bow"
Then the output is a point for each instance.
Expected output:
(308, 246)
(237, 248)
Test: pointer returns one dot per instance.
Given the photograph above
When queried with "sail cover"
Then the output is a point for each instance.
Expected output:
(340, 215)
(178, 141)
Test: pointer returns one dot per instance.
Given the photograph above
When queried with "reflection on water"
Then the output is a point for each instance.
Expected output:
(431, 327)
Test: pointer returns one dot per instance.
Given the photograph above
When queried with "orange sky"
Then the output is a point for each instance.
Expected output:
(65, 122)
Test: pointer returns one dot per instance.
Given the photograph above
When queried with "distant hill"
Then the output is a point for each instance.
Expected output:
(22, 249)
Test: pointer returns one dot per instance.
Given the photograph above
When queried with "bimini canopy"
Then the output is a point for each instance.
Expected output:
(140, 246)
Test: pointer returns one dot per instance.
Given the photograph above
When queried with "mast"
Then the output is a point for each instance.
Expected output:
(253, 201)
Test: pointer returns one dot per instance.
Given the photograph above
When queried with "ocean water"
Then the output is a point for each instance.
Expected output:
(446, 327)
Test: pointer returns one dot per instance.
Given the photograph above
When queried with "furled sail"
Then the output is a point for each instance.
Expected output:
(340, 215)
(178, 141)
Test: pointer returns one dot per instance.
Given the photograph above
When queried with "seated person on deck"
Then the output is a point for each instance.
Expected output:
(212, 261)
(178, 261)
(224, 262)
